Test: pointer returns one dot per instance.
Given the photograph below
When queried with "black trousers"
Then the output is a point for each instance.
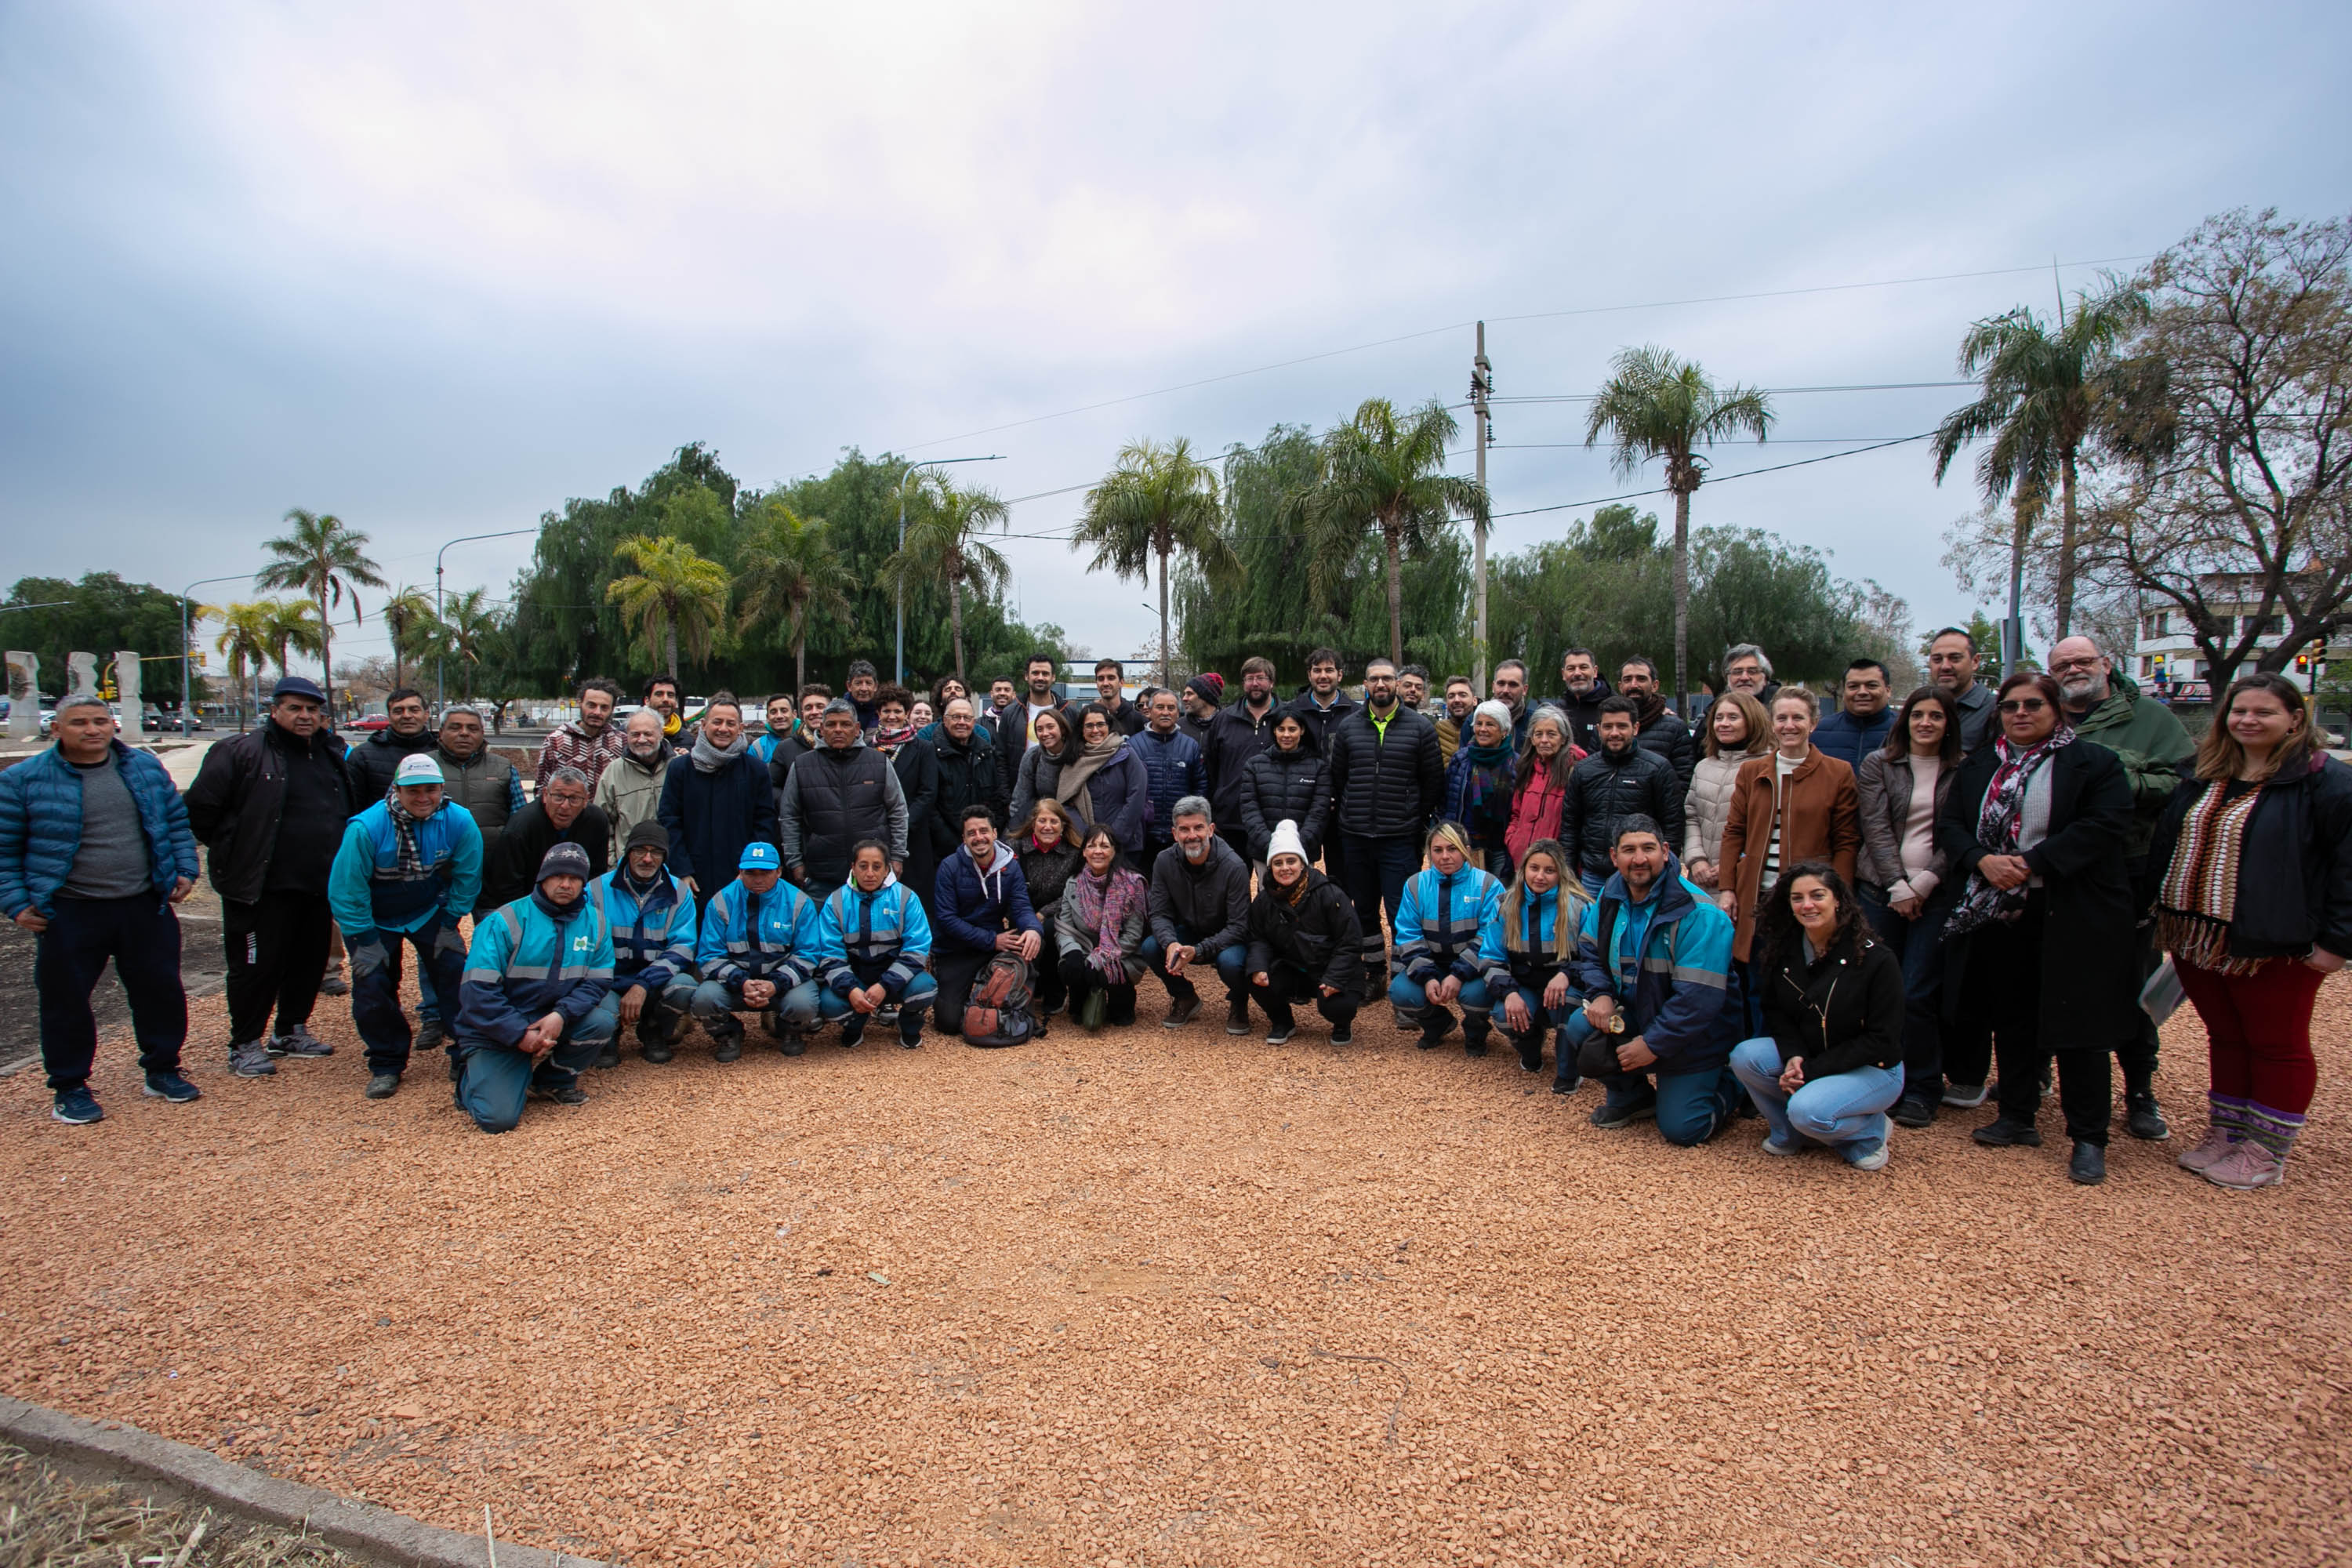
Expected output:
(1081, 980)
(277, 949)
(1287, 987)
(955, 968)
(2012, 950)
(1046, 977)
(2136, 1054)
(142, 935)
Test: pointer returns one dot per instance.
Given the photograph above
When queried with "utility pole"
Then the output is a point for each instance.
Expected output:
(1482, 386)
(440, 682)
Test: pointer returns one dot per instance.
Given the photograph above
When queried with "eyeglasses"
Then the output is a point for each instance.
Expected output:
(2068, 666)
(2023, 705)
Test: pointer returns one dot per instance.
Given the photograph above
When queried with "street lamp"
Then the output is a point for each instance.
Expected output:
(186, 657)
(440, 685)
(898, 657)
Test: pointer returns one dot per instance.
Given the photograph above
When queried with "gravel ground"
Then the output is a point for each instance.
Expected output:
(1155, 1297)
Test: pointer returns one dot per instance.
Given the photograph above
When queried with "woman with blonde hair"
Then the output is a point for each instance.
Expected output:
(1540, 915)
(1737, 730)
(1449, 933)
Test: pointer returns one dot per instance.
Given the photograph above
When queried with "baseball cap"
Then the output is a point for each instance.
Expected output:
(417, 768)
(760, 858)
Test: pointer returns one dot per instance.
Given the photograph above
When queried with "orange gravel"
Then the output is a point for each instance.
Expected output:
(1155, 1297)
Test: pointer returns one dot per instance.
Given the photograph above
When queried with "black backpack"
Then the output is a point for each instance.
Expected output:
(998, 1012)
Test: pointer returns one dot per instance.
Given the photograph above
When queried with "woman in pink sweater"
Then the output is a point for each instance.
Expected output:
(1903, 785)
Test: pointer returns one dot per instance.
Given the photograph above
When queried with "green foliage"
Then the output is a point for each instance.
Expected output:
(326, 558)
(673, 595)
(789, 575)
(102, 615)
(1158, 501)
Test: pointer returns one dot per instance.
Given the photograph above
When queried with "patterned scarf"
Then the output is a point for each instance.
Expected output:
(887, 742)
(1486, 774)
(1999, 822)
(1104, 903)
(412, 860)
(2199, 898)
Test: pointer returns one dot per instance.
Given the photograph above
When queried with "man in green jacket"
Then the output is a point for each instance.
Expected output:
(2106, 707)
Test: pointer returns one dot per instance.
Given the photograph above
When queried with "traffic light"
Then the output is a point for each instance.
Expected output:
(2303, 664)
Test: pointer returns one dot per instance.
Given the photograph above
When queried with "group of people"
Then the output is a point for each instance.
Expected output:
(1843, 924)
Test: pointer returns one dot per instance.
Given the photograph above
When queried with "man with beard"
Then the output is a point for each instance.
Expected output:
(1203, 696)
(1386, 783)
(969, 777)
(1200, 918)
(376, 760)
(1622, 779)
(1655, 727)
(2107, 710)
(630, 791)
(588, 743)
(1583, 691)
(838, 796)
(651, 916)
(1952, 665)
(661, 696)
(1461, 701)
(715, 800)
(1510, 688)
(561, 814)
(1412, 686)
(1235, 735)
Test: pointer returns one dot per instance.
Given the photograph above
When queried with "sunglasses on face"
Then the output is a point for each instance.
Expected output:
(2025, 705)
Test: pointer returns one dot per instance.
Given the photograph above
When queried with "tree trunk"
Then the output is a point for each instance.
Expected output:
(669, 641)
(1393, 538)
(1167, 677)
(326, 656)
(955, 620)
(800, 664)
(2070, 523)
(1682, 603)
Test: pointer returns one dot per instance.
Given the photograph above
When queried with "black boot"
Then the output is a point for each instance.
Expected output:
(2142, 1116)
(1530, 1048)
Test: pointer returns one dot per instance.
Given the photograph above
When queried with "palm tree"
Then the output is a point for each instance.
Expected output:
(1383, 471)
(326, 558)
(675, 594)
(2044, 395)
(1656, 405)
(245, 641)
(293, 626)
(406, 615)
(460, 634)
(944, 548)
(1158, 501)
(790, 568)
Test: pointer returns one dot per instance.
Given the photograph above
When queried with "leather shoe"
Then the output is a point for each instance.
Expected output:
(2088, 1168)
(2002, 1133)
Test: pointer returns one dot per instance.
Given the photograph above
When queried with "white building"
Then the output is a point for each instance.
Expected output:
(2167, 663)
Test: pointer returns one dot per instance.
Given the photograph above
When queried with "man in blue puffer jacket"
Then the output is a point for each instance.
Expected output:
(757, 950)
(408, 871)
(652, 918)
(528, 1019)
(1171, 762)
(94, 851)
(874, 949)
(1656, 952)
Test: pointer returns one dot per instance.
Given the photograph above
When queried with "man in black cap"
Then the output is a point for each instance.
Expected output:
(268, 807)
(528, 1013)
(652, 918)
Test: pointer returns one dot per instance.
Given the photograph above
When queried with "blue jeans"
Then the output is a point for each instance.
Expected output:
(1920, 943)
(1693, 1106)
(832, 1004)
(494, 1080)
(1230, 961)
(716, 1003)
(375, 985)
(1410, 996)
(1843, 1107)
(1374, 872)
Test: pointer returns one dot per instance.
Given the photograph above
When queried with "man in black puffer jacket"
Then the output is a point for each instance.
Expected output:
(373, 762)
(1656, 727)
(970, 775)
(1386, 781)
(1620, 779)
(837, 795)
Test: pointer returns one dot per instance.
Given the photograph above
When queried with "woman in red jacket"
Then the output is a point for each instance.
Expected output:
(1542, 784)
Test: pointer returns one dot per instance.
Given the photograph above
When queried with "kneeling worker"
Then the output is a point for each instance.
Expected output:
(408, 871)
(528, 1019)
(757, 951)
(874, 949)
(651, 916)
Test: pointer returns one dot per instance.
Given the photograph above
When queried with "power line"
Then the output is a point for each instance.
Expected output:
(1723, 479)
(1774, 391)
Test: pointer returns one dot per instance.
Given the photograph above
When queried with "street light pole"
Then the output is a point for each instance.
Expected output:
(188, 656)
(440, 686)
(898, 657)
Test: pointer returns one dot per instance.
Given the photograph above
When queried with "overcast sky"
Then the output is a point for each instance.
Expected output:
(436, 269)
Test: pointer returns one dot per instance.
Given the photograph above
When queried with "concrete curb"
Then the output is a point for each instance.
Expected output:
(108, 1450)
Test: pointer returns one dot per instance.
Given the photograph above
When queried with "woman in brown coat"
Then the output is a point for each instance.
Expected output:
(1795, 804)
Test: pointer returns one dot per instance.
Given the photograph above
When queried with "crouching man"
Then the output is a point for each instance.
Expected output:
(758, 954)
(873, 950)
(528, 1018)
(1654, 960)
(651, 916)
(408, 871)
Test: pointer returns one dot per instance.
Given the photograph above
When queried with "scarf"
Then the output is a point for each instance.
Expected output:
(1652, 703)
(2199, 896)
(559, 913)
(412, 860)
(1104, 903)
(887, 742)
(1998, 824)
(709, 759)
(1081, 768)
(671, 725)
(1488, 775)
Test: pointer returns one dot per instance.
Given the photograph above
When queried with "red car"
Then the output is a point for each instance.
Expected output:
(373, 722)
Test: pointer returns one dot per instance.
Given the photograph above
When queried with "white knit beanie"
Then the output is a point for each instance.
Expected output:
(1285, 841)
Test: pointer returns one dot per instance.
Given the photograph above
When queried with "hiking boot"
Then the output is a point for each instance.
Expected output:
(431, 1034)
(1915, 1111)
(1091, 1010)
(1237, 1018)
(298, 1041)
(1181, 1008)
(2088, 1167)
(1608, 1117)
(1966, 1095)
(1567, 1085)
(2144, 1119)
(2246, 1166)
(76, 1107)
(382, 1086)
(250, 1058)
(2212, 1151)
(1866, 1153)
(2000, 1133)
(1531, 1049)
(1280, 1034)
(728, 1047)
(332, 982)
(1434, 1030)
(657, 1051)
(1474, 1041)
(610, 1056)
(852, 1031)
(169, 1084)
(791, 1042)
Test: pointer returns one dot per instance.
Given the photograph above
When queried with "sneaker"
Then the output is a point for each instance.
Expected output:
(1609, 1117)
(910, 1031)
(1915, 1111)
(657, 1051)
(298, 1041)
(2000, 1133)
(1344, 1034)
(887, 1014)
(431, 1034)
(2088, 1167)
(1180, 1009)
(791, 1042)
(2247, 1165)
(2209, 1153)
(1433, 1032)
(1966, 1095)
(382, 1086)
(1531, 1049)
(169, 1084)
(1567, 1085)
(334, 984)
(610, 1056)
(250, 1058)
(1237, 1018)
(1772, 1145)
(1866, 1153)
(2144, 1119)
(728, 1047)
(1279, 1035)
(852, 1031)
(76, 1106)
